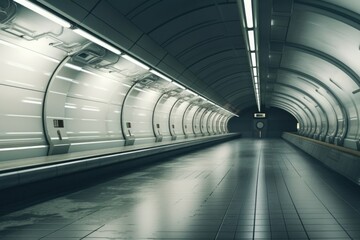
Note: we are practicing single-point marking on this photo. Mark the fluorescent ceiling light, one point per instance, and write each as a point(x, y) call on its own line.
point(255, 72)
point(202, 97)
point(249, 13)
point(191, 92)
point(253, 59)
point(178, 85)
point(251, 36)
point(255, 80)
point(133, 60)
point(44, 13)
point(160, 75)
point(256, 86)
point(97, 41)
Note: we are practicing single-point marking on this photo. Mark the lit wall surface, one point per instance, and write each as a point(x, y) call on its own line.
point(63, 93)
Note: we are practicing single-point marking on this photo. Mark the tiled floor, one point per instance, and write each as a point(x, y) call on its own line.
point(243, 189)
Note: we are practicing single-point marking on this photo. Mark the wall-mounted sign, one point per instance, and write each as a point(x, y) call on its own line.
point(259, 115)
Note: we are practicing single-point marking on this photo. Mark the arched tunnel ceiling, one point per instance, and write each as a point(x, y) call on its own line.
point(204, 36)
point(201, 43)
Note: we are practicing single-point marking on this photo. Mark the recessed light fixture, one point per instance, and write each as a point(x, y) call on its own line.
point(251, 36)
point(160, 75)
point(133, 60)
point(250, 31)
point(178, 85)
point(253, 59)
point(97, 41)
point(255, 72)
point(249, 13)
point(44, 13)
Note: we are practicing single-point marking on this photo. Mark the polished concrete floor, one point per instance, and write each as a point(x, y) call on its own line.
point(242, 189)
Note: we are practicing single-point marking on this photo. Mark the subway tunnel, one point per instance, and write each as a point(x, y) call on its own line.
point(179, 119)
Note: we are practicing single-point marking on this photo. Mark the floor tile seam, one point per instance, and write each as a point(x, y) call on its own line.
point(225, 214)
point(339, 196)
point(292, 200)
point(218, 184)
point(257, 188)
point(73, 223)
point(61, 228)
point(254, 211)
point(92, 231)
point(281, 207)
point(329, 186)
point(317, 197)
point(267, 200)
point(327, 209)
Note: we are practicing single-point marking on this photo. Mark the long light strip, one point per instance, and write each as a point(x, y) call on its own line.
point(249, 13)
point(178, 85)
point(191, 92)
point(133, 60)
point(160, 75)
point(251, 36)
point(44, 13)
point(250, 31)
point(253, 59)
point(255, 72)
point(97, 41)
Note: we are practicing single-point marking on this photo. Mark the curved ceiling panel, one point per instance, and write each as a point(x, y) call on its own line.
point(327, 35)
point(341, 84)
point(351, 5)
point(289, 109)
point(204, 36)
point(298, 105)
point(312, 91)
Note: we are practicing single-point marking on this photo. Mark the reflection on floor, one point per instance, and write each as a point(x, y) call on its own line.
point(243, 189)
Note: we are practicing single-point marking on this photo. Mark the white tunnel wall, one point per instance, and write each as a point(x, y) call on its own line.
point(197, 121)
point(177, 119)
point(330, 123)
point(321, 56)
point(138, 114)
point(341, 89)
point(24, 77)
point(226, 124)
point(162, 116)
point(216, 123)
point(211, 124)
point(66, 94)
point(205, 123)
point(189, 119)
point(323, 48)
point(220, 122)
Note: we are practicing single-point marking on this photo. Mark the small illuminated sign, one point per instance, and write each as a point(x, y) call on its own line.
point(259, 115)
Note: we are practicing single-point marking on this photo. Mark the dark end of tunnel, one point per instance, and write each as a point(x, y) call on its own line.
point(275, 123)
